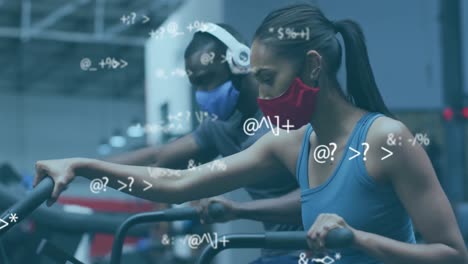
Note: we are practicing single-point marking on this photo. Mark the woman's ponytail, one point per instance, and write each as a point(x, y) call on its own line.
point(361, 85)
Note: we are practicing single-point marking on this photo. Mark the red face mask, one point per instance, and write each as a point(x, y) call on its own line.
point(297, 105)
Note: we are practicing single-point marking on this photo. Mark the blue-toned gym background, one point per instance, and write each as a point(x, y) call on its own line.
point(54, 105)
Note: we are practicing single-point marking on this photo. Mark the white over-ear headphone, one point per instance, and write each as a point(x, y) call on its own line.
point(237, 54)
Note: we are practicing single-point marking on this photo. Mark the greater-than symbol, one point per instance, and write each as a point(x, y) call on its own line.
point(3, 224)
point(145, 19)
point(124, 185)
point(355, 155)
point(149, 185)
point(124, 63)
point(388, 155)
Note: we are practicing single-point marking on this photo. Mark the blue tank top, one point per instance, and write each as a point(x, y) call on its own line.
point(354, 195)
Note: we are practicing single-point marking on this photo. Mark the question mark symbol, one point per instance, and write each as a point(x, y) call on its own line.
point(106, 181)
point(133, 17)
point(333, 151)
point(131, 183)
point(366, 149)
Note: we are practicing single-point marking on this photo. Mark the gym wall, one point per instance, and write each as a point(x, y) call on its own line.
point(46, 127)
point(403, 42)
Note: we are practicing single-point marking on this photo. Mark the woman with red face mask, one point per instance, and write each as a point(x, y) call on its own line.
point(378, 199)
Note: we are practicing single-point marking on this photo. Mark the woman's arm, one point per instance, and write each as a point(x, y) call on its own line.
point(175, 154)
point(172, 186)
point(415, 182)
point(413, 178)
point(285, 209)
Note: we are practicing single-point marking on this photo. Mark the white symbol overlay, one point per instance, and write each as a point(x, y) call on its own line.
point(420, 138)
point(124, 185)
point(366, 148)
point(207, 58)
point(165, 240)
point(132, 180)
point(149, 185)
point(388, 155)
point(128, 20)
point(217, 164)
point(195, 240)
point(125, 19)
point(124, 63)
point(145, 19)
point(13, 218)
point(3, 224)
point(85, 64)
point(157, 33)
point(160, 172)
point(252, 125)
point(172, 28)
point(324, 260)
point(98, 185)
point(112, 63)
point(322, 153)
point(355, 155)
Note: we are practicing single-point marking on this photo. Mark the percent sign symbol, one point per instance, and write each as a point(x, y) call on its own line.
point(290, 33)
point(422, 139)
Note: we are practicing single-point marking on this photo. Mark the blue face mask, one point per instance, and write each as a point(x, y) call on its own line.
point(220, 101)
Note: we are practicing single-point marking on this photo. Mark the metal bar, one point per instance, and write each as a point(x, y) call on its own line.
point(56, 16)
point(75, 37)
point(174, 214)
point(233, 241)
point(99, 18)
point(25, 19)
point(55, 253)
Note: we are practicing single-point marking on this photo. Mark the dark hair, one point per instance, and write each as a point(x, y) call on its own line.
point(201, 39)
point(361, 86)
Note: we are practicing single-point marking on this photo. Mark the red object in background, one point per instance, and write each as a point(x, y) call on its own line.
point(448, 114)
point(465, 112)
point(102, 243)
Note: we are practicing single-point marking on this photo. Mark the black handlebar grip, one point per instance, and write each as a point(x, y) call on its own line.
point(339, 238)
point(216, 210)
point(182, 213)
point(34, 199)
point(286, 240)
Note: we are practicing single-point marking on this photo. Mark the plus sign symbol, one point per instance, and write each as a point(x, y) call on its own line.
point(287, 126)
